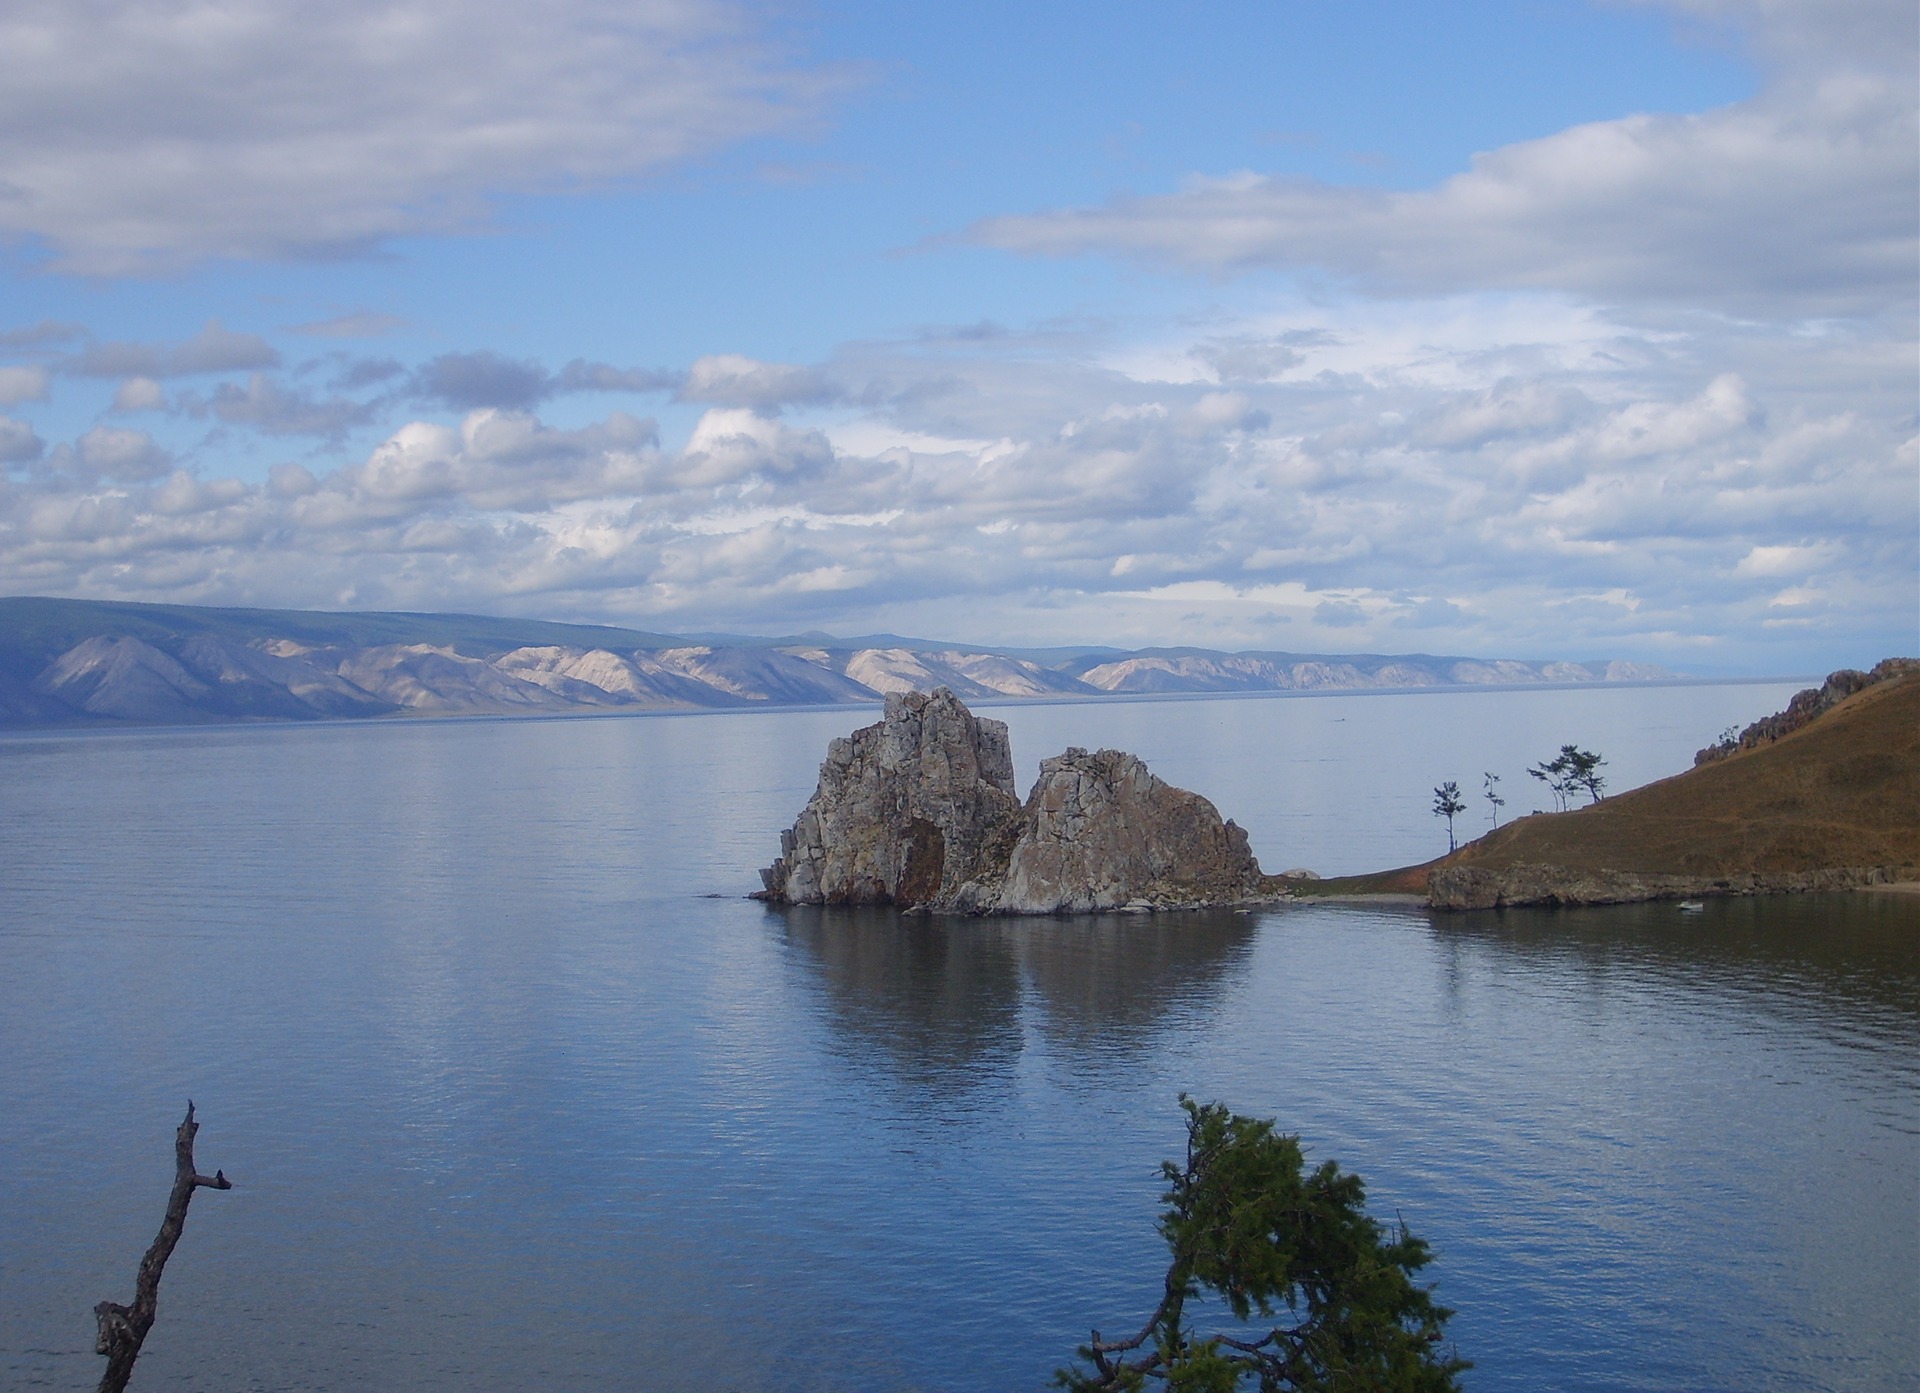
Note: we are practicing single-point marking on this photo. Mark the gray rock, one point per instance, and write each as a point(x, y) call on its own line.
point(919, 811)
point(908, 812)
point(1101, 832)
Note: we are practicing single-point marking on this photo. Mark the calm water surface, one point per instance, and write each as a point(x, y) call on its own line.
point(511, 1104)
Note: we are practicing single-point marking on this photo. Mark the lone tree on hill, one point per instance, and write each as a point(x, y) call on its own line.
point(1446, 803)
point(1569, 771)
point(1246, 1222)
point(1493, 796)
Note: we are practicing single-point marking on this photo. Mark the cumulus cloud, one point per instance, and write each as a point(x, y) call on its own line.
point(44, 334)
point(214, 349)
point(468, 381)
point(114, 455)
point(272, 408)
point(464, 381)
point(1798, 202)
point(1513, 474)
point(18, 443)
point(144, 134)
point(18, 384)
point(139, 394)
point(730, 379)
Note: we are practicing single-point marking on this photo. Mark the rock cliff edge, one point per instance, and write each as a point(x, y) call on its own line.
point(919, 811)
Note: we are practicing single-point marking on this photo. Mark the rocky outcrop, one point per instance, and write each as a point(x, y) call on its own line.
point(913, 811)
point(1807, 706)
point(1479, 887)
point(919, 811)
point(1100, 832)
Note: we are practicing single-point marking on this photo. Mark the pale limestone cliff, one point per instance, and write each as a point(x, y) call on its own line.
point(919, 811)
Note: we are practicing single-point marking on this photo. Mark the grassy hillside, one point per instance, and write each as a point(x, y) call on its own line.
point(1841, 791)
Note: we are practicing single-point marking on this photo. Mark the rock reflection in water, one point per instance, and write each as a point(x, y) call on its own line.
point(948, 1001)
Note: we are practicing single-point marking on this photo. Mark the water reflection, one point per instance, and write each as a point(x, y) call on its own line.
point(1852, 958)
point(1109, 984)
point(947, 1001)
point(938, 1002)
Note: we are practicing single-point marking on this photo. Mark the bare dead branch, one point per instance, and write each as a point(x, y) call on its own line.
point(123, 1329)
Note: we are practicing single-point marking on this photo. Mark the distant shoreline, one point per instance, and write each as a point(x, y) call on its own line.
point(855, 708)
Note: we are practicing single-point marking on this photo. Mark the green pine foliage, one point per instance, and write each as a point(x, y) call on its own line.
point(1331, 1289)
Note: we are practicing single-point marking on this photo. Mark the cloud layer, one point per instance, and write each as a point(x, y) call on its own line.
point(1798, 202)
point(1555, 483)
point(1640, 389)
point(150, 133)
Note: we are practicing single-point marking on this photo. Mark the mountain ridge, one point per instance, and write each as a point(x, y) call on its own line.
point(79, 662)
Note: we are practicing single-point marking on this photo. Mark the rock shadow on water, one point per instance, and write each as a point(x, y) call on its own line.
point(946, 1002)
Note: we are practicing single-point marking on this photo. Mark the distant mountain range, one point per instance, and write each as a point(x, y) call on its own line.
point(70, 662)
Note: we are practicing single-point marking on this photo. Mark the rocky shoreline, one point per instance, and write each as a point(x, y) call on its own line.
point(1475, 887)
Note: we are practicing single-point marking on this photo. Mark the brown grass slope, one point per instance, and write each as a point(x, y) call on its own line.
point(1842, 791)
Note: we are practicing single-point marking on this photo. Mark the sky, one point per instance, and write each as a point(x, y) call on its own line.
point(1519, 328)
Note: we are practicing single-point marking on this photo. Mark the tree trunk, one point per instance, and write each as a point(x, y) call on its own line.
point(123, 1329)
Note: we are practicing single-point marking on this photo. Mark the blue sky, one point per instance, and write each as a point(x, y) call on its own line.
point(1538, 329)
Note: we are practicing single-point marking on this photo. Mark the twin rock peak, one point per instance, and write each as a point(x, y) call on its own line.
point(919, 811)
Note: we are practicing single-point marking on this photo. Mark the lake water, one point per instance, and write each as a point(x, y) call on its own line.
point(511, 1105)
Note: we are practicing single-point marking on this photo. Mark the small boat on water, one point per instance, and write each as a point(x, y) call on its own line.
point(1691, 906)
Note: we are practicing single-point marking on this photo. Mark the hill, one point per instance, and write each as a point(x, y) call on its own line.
point(65, 662)
point(1815, 802)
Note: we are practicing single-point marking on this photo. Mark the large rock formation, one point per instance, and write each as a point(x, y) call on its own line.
point(919, 811)
point(1100, 832)
point(905, 812)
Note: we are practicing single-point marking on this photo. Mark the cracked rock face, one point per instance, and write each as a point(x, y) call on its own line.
point(919, 811)
point(904, 810)
point(1100, 832)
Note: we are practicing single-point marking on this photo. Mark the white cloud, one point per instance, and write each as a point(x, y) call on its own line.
point(18, 442)
point(143, 134)
point(1529, 479)
point(1783, 559)
point(18, 384)
point(124, 456)
point(139, 394)
point(1797, 202)
point(732, 380)
point(214, 349)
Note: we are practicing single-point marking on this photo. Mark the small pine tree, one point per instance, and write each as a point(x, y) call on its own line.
point(1446, 802)
point(1583, 768)
point(1570, 770)
point(1247, 1222)
point(1493, 797)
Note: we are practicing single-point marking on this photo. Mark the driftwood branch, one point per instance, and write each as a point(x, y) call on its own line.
point(123, 1329)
